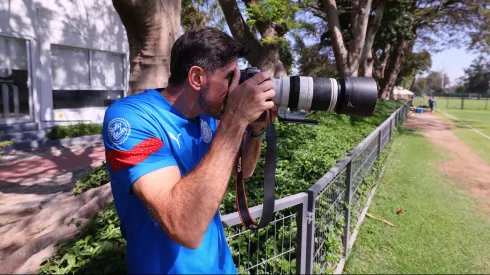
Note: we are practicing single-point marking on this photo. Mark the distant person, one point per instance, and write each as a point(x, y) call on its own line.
point(432, 102)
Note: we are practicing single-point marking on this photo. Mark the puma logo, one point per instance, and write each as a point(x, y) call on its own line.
point(175, 138)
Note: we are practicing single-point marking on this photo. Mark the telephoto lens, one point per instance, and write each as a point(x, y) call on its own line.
point(354, 96)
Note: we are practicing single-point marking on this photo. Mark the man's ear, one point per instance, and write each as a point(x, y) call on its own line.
point(196, 77)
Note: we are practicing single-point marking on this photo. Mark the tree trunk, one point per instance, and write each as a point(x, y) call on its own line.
point(393, 69)
point(359, 37)
point(264, 57)
point(339, 49)
point(367, 60)
point(379, 72)
point(152, 26)
point(348, 60)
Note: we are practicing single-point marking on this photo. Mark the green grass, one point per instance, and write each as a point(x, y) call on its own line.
point(441, 230)
point(455, 103)
point(479, 120)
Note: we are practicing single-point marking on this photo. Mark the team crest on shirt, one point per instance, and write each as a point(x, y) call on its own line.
point(206, 131)
point(118, 130)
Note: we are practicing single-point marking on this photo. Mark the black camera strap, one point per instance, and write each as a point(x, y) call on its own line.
point(269, 184)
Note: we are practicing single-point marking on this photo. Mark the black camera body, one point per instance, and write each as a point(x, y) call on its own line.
point(247, 73)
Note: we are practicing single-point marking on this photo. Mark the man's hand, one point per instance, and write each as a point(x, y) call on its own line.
point(246, 102)
point(257, 126)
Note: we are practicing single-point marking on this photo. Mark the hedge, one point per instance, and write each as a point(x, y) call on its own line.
point(305, 153)
point(5, 143)
point(75, 130)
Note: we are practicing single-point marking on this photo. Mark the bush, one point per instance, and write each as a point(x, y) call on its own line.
point(305, 153)
point(75, 130)
point(94, 178)
point(5, 143)
point(99, 248)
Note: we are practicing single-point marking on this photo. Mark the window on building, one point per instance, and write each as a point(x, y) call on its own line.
point(86, 78)
point(14, 78)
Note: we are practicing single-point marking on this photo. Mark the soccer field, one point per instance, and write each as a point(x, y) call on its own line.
point(471, 126)
point(446, 103)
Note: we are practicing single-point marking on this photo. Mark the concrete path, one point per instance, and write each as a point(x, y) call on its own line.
point(37, 208)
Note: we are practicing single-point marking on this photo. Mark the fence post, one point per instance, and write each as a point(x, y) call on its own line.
point(462, 102)
point(391, 127)
point(348, 196)
point(310, 232)
point(301, 237)
point(379, 143)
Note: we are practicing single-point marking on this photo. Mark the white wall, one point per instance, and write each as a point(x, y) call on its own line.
point(90, 24)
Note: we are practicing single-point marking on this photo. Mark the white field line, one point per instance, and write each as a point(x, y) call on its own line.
point(467, 125)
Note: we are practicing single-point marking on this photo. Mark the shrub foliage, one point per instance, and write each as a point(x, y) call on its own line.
point(75, 130)
point(305, 153)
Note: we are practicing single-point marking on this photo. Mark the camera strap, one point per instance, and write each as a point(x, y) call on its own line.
point(269, 184)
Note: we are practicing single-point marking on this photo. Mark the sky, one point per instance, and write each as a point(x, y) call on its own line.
point(452, 62)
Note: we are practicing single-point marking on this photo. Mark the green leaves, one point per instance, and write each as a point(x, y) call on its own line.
point(5, 143)
point(94, 178)
point(99, 248)
point(76, 130)
point(305, 154)
point(273, 12)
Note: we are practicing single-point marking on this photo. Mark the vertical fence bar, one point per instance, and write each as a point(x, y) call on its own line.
point(348, 196)
point(391, 128)
point(379, 143)
point(462, 102)
point(301, 237)
point(310, 232)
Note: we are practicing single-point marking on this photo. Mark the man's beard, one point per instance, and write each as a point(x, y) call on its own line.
point(207, 106)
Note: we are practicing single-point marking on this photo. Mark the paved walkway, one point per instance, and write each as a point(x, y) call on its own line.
point(36, 200)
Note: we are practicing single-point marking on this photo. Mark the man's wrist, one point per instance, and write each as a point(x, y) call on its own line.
point(256, 131)
point(235, 124)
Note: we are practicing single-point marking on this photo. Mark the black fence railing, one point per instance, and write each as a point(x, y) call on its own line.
point(312, 230)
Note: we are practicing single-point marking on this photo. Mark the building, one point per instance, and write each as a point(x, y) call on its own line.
point(61, 61)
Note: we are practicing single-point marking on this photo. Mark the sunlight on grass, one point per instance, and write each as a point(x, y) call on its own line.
point(479, 120)
point(442, 229)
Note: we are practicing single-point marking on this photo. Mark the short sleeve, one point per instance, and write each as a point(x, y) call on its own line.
point(134, 144)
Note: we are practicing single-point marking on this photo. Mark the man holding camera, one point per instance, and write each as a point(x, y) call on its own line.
point(170, 153)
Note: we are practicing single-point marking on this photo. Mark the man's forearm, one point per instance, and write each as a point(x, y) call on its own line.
point(251, 154)
point(194, 200)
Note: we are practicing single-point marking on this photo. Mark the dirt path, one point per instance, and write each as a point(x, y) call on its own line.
point(469, 170)
point(37, 208)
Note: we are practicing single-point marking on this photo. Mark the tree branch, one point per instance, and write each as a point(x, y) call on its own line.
point(359, 37)
point(339, 49)
point(354, 15)
point(367, 55)
point(240, 31)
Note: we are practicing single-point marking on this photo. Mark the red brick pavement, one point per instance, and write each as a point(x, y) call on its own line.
point(37, 167)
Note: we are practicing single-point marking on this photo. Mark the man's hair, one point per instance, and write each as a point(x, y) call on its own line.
point(208, 48)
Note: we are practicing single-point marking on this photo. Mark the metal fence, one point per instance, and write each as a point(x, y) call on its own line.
point(458, 101)
point(311, 231)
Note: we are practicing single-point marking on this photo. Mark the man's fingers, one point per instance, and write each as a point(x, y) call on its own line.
point(269, 105)
point(260, 77)
point(235, 80)
point(265, 86)
point(269, 94)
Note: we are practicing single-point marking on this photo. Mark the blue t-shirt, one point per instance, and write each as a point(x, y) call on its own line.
point(143, 133)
